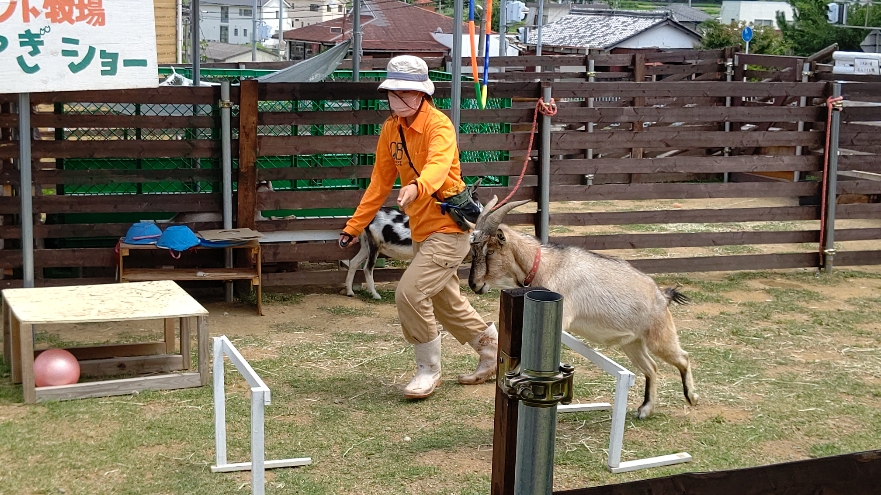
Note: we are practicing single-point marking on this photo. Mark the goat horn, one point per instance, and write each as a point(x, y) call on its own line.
point(489, 220)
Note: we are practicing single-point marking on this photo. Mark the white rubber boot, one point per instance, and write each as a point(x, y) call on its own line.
point(428, 370)
point(487, 346)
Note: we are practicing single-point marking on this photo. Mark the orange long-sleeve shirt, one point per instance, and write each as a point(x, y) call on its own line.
point(431, 141)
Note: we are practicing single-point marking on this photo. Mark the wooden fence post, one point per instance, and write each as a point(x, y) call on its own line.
point(505, 430)
point(639, 101)
point(246, 197)
point(247, 179)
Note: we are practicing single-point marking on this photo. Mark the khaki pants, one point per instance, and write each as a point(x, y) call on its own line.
point(429, 289)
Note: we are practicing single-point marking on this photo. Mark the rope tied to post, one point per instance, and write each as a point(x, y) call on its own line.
point(833, 104)
point(548, 109)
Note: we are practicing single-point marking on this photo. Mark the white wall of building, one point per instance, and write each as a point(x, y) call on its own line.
point(238, 22)
point(660, 37)
point(307, 12)
point(754, 13)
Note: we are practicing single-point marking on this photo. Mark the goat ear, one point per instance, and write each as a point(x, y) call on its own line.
point(501, 237)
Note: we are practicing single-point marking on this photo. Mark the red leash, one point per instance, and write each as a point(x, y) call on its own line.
point(832, 104)
point(549, 109)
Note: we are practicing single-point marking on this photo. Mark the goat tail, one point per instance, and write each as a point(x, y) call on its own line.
point(674, 296)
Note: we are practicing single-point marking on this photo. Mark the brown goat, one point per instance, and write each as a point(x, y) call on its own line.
point(605, 299)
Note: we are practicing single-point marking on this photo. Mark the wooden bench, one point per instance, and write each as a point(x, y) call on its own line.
point(158, 300)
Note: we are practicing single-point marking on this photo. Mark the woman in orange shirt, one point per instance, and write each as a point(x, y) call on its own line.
point(418, 143)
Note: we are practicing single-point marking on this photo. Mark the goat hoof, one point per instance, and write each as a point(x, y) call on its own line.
point(643, 413)
point(377, 297)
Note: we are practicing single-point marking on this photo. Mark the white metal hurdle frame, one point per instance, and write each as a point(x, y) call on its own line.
point(260, 397)
point(624, 379)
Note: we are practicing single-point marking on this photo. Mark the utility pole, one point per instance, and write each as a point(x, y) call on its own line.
point(254, 32)
point(281, 47)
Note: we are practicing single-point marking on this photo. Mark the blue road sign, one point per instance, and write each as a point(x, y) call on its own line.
point(747, 34)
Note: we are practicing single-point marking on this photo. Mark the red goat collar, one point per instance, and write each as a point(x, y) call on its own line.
point(531, 274)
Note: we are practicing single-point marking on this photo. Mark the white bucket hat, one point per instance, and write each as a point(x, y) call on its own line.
point(407, 73)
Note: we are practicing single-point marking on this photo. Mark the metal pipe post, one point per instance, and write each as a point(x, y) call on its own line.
point(802, 101)
point(226, 174)
point(591, 77)
point(25, 189)
point(456, 55)
point(832, 183)
point(196, 50)
point(538, 23)
point(729, 74)
point(356, 39)
point(545, 165)
point(503, 31)
point(536, 426)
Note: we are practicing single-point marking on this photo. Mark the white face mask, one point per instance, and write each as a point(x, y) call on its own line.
point(406, 106)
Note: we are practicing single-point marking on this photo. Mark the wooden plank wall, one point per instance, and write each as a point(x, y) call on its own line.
point(678, 65)
point(105, 129)
point(679, 129)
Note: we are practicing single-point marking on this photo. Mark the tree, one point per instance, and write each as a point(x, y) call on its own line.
point(765, 40)
point(810, 32)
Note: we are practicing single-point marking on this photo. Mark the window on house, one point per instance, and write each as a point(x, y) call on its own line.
point(297, 20)
point(235, 32)
point(336, 30)
point(224, 34)
point(329, 8)
point(315, 7)
point(339, 8)
point(245, 33)
point(224, 14)
point(763, 22)
point(245, 12)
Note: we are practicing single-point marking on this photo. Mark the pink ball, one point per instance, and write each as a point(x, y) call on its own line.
point(56, 367)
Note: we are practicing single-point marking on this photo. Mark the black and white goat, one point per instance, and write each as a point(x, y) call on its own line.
point(388, 234)
point(605, 299)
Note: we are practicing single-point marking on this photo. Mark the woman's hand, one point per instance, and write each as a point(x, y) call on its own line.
point(346, 239)
point(407, 195)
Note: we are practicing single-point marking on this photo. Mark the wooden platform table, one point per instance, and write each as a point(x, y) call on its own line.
point(253, 274)
point(158, 300)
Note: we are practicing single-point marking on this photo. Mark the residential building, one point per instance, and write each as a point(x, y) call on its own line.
point(231, 21)
point(687, 16)
point(613, 29)
point(755, 13)
point(388, 27)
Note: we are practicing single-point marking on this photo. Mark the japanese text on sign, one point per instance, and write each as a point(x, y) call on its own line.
point(55, 45)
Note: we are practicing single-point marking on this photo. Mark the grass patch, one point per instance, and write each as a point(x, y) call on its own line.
point(346, 311)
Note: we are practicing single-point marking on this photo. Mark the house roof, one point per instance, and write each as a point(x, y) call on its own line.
point(235, 3)
point(603, 30)
point(386, 25)
point(684, 13)
point(223, 51)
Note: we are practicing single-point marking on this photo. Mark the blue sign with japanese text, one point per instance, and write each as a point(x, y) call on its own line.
point(69, 45)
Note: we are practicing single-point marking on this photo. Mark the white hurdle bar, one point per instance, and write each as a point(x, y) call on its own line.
point(624, 379)
point(260, 398)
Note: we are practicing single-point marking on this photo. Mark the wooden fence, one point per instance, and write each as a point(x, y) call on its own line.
point(623, 154)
